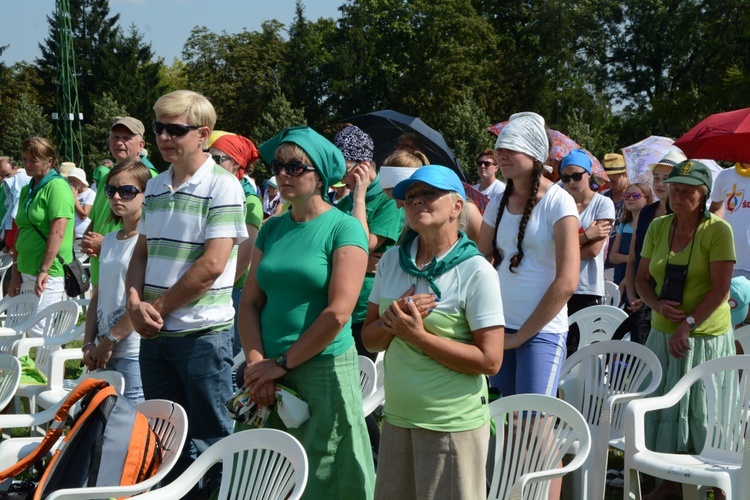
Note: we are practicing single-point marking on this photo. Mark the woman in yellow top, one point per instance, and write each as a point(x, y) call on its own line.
point(684, 276)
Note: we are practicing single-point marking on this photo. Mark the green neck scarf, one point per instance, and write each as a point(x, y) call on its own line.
point(34, 188)
point(463, 250)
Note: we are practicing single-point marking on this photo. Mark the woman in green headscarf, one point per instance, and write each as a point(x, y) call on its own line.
point(435, 309)
point(307, 269)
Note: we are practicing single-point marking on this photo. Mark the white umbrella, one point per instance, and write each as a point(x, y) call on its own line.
point(638, 156)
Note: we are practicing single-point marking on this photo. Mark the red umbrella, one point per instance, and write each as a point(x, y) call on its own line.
point(560, 147)
point(722, 136)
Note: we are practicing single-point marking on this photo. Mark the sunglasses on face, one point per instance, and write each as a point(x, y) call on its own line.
point(173, 129)
point(575, 177)
point(293, 168)
point(220, 158)
point(485, 163)
point(126, 192)
point(632, 196)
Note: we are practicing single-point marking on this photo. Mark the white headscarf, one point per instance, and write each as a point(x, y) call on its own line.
point(390, 176)
point(525, 133)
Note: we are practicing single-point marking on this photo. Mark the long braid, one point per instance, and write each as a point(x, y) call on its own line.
point(515, 261)
point(498, 257)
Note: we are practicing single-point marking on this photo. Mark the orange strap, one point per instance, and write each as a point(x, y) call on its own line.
point(58, 424)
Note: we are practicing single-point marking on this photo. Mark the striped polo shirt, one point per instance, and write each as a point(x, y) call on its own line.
point(176, 224)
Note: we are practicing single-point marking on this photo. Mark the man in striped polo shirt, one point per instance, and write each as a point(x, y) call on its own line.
point(181, 275)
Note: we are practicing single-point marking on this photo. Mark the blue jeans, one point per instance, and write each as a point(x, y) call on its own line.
point(130, 369)
point(194, 371)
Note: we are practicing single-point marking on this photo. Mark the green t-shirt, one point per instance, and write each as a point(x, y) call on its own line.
point(53, 201)
point(253, 217)
point(713, 242)
point(384, 219)
point(101, 216)
point(294, 274)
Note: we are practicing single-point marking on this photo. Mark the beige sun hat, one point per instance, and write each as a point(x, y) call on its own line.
point(672, 158)
point(78, 173)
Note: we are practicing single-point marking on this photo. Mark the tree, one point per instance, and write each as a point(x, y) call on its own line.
point(238, 73)
point(279, 115)
point(96, 131)
point(107, 60)
point(308, 66)
point(27, 118)
point(464, 127)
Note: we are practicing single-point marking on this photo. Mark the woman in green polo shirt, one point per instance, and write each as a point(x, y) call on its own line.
point(684, 276)
point(46, 209)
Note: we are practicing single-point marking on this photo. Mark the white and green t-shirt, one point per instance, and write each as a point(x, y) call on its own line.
point(176, 224)
point(420, 391)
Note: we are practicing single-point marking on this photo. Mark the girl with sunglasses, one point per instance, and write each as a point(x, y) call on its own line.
point(597, 213)
point(636, 197)
point(110, 342)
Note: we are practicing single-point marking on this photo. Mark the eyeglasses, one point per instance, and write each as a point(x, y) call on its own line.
point(173, 129)
point(402, 146)
point(293, 168)
point(576, 177)
point(126, 192)
point(632, 196)
point(220, 158)
point(481, 163)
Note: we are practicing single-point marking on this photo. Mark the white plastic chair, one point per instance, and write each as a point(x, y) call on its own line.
point(10, 377)
point(17, 312)
point(528, 450)
point(597, 323)
point(169, 421)
point(377, 397)
point(259, 464)
point(612, 294)
point(367, 377)
point(14, 449)
point(724, 460)
point(742, 335)
point(599, 380)
point(59, 328)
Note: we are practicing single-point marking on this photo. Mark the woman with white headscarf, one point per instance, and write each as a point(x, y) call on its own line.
point(531, 236)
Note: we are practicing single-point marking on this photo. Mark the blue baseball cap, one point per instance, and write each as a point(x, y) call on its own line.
point(739, 298)
point(577, 158)
point(436, 176)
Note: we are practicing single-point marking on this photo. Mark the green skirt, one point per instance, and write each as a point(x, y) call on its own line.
point(682, 428)
point(335, 437)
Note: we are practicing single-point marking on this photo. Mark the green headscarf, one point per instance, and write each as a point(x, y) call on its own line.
point(325, 157)
point(463, 250)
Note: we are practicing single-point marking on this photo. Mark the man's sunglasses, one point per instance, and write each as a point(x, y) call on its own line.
point(173, 129)
point(126, 192)
point(576, 177)
point(632, 196)
point(293, 168)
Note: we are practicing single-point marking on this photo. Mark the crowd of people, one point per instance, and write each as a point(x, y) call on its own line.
point(465, 289)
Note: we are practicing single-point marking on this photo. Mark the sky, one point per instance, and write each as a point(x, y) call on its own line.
point(166, 24)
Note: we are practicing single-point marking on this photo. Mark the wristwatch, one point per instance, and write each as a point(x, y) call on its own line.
point(281, 361)
point(691, 323)
point(42, 270)
point(111, 338)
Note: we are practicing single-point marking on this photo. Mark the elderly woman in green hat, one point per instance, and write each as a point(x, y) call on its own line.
point(684, 276)
point(307, 269)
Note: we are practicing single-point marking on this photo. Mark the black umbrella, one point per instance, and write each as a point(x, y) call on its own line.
point(386, 126)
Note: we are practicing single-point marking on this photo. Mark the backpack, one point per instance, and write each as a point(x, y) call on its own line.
point(110, 443)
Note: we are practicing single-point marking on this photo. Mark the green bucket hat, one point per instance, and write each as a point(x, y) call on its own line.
point(325, 157)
